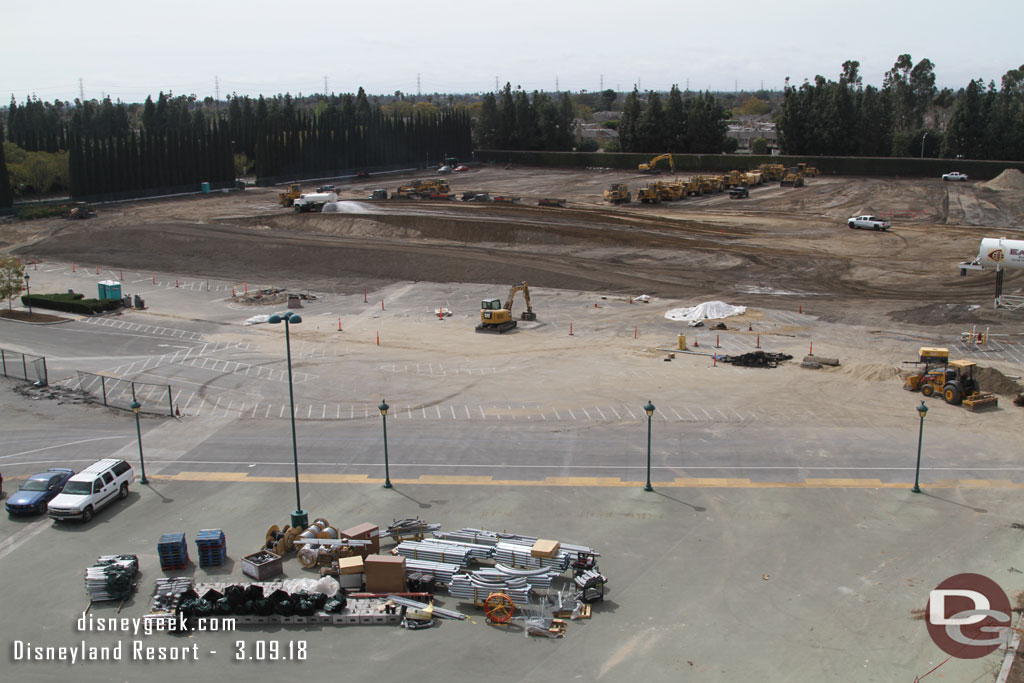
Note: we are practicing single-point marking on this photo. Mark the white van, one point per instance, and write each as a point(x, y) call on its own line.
point(91, 489)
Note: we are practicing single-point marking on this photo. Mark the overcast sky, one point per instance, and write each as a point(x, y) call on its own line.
point(131, 49)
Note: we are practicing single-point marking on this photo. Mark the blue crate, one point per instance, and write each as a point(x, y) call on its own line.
point(211, 547)
point(172, 551)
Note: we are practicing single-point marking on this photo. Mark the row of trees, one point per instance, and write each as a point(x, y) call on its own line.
point(517, 121)
point(695, 125)
point(146, 160)
point(908, 116)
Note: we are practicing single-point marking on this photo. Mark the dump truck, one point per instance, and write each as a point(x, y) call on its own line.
point(497, 317)
point(617, 194)
point(651, 166)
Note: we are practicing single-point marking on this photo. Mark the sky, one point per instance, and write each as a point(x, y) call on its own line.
point(129, 50)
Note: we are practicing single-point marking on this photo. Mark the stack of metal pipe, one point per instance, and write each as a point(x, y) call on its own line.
point(409, 527)
point(449, 553)
point(477, 588)
point(441, 571)
point(537, 578)
point(485, 537)
point(520, 556)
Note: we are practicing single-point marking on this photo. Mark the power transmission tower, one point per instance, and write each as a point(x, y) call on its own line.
point(602, 82)
point(418, 93)
point(216, 93)
point(81, 91)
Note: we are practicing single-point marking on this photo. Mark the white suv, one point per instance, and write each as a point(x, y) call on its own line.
point(91, 489)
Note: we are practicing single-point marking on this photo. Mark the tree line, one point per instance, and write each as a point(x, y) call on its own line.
point(694, 125)
point(907, 116)
point(521, 122)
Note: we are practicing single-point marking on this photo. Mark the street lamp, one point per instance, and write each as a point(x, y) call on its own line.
point(922, 410)
point(923, 138)
point(649, 409)
point(299, 517)
point(28, 295)
point(383, 408)
point(136, 406)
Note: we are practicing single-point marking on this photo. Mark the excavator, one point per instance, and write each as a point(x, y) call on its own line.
point(651, 166)
point(497, 317)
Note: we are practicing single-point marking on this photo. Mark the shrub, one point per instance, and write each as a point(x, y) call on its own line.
point(71, 303)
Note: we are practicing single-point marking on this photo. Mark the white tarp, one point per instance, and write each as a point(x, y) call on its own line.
point(257, 319)
point(709, 310)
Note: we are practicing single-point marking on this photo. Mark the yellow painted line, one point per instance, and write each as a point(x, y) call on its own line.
point(596, 482)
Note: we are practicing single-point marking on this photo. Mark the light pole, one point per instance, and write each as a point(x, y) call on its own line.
point(299, 517)
point(923, 138)
point(383, 408)
point(922, 410)
point(28, 295)
point(136, 406)
point(649, 409)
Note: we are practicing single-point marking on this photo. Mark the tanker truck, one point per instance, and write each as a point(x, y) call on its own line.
point(1001, 254)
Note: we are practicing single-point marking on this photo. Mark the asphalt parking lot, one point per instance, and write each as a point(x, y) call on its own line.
point(781, 542)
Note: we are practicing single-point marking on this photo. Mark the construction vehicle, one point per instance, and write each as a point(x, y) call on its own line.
point(313, 201)
point(772, 171)
point(807, 171)
point(792, 178)
point(953, 380)
point(736, 178)
point(651, 166)
point(751, 178)
point(288, 197)
point(497, 317)
point(422, 189)
point(649, 194)
point(693, 187)
point(617, 194)
point(551, 201)
point(670, 192)
point(706, 186)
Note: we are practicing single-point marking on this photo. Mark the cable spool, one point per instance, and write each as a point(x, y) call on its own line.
point(275, 535)
point(287, 544)
point(329, 532)
point(314, 530)
point(308, 557)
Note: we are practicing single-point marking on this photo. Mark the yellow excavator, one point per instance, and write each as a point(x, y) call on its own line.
point(497, 317)
point(651, 166)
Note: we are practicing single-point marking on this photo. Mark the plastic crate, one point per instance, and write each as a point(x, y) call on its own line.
point(211, 547)
point(172, 551)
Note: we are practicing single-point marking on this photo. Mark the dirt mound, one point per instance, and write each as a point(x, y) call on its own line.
point(995, 381)
point(870, 372)
point(1010, 179)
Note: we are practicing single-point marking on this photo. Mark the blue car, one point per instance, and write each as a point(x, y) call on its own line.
point(37, 491)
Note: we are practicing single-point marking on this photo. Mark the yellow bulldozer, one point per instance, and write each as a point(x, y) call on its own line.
point(807, 171)
point(497, 317)
point(288, 197)
point(953, 380)
point(421, 189)
point(651, 166)
point(649, 194)
point(772, 171)
point(617, 194)
point(792, 178)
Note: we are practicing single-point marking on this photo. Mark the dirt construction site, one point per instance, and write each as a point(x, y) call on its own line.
point(782, 494)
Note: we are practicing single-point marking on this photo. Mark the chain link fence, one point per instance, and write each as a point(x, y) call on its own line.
point(154, 398)
point(24, 366)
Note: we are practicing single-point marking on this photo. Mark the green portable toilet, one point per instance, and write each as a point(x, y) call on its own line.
point(206, 187)
point(109, 289)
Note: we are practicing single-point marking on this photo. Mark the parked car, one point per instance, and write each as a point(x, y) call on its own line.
point(93, 488)
point(37, 491)
point(869, 223)
point(955, 175)
point(461, 168)
point(738, 192)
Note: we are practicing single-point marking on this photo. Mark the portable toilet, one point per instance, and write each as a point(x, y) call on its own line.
point(205, 187)
point(109, 289)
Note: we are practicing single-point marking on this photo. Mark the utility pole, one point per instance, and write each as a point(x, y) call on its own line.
point(556, 84)
point(418, 93)
point(325, 86)
point(602, 82)
point(496, 88)
point(81, 91)
point(216, 93)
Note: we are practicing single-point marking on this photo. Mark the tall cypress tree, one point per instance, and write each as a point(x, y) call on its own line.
point(6, 195)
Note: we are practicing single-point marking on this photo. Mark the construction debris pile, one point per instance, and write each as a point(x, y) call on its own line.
point(112, 577)
point(756, 359)
point(512, 577)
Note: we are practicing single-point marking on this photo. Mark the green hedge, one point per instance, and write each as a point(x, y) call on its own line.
point(71, 303)
point(686, 163)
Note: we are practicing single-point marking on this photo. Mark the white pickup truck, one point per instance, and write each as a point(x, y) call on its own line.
point(955, 175)
point(869, 223)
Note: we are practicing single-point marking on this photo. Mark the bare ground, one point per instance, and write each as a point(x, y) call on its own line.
point(781, 242)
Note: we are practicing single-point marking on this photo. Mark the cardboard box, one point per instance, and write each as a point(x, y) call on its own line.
point(384, 574)
point(545, 548)
point(364, 532)
point(351, 565)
